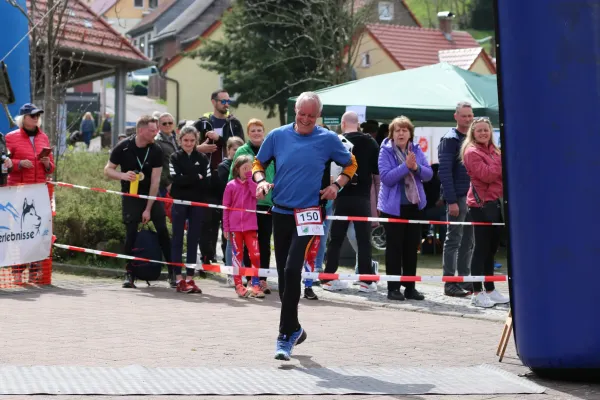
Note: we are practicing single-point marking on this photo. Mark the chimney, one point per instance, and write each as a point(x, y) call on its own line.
point(445, 20)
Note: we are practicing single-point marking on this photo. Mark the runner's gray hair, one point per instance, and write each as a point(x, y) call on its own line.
point(307, 97)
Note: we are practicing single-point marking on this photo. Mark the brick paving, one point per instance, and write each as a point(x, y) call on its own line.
point(93, 322)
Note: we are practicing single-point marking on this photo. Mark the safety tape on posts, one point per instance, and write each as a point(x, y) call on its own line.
point(269, 273)
point(330, 217)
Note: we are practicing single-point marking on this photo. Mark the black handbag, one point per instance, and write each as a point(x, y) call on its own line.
point(491, 210)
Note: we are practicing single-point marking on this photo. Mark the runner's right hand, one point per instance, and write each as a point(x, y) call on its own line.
point(263, 189)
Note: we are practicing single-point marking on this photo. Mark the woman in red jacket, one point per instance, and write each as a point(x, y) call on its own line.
point(25, 145)
point(482, 160)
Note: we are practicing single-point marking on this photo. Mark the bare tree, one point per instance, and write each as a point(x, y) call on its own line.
point(50, 71)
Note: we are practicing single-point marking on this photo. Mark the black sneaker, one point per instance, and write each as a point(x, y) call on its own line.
point(310, 294)
point(454, 290)
point(395, 295)
point(413, 294)
point(128, 283)
point(467, 287)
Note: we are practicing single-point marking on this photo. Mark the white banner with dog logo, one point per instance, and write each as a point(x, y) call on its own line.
point(25, 224)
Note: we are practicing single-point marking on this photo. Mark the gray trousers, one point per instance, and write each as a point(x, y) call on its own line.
point(458, 246)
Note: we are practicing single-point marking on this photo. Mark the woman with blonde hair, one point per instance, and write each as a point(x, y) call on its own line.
point(482, 160)
point(87, 128)
point(402, 170)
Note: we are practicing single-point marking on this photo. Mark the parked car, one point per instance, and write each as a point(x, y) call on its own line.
point(140, 76)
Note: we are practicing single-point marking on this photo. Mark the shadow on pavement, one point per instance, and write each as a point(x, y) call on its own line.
point(32, 293)
point(356, 384)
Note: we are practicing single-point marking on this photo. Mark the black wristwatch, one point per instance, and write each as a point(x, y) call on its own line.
point(338, 185)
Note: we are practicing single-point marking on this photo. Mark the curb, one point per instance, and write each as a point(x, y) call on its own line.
point(118, 274)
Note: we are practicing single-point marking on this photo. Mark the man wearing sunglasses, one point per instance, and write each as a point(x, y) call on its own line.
point(216, 128)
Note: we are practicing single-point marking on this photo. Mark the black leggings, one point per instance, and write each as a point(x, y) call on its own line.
point(487, 240)
point(290, 250)
point(402, 245)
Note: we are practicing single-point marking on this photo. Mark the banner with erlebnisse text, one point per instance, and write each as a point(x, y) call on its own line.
point(25, 224)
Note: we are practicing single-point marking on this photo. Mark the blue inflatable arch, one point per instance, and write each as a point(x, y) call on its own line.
point(549, 87)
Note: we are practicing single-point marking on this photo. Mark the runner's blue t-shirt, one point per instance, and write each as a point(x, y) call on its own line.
point(300, 161)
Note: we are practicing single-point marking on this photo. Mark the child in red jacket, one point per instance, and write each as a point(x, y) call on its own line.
point(241, 226)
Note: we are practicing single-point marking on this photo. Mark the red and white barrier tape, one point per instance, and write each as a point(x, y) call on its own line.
point(263, 272)
point(330, 217)
point(163, 199)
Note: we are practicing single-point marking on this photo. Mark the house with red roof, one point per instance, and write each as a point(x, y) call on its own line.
point(385, 48)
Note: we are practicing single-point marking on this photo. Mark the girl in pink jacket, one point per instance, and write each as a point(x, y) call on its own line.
point(241, 226)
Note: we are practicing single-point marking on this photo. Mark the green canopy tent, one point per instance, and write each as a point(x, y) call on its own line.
point(427, 95)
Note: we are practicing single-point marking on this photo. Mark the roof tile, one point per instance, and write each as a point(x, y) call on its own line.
point(414, 47)
point(84, 31)
point(462, 58)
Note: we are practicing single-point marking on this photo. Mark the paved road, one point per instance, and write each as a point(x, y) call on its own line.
point(93, 322)
point(136, 105)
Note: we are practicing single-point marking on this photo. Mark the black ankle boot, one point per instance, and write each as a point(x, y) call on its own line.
point(395, 295)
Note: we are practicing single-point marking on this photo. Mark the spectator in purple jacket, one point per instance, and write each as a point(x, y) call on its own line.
point(402, 169)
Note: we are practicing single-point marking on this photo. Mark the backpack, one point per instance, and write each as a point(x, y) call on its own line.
point(336, 170)
point(147, 246)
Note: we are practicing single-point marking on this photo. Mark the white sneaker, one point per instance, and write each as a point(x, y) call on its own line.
point(367, 287)
point(374, 267)
point(498, 297)
point(482, 300)
point(334, 285)
point(230, 281)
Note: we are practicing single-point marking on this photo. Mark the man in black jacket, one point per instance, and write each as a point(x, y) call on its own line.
point(355, 200)
point(458, 246)
point(216, 128)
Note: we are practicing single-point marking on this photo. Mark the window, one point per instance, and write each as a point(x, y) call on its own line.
point(152, 4)
point(138, 3)
point(143, 45)
point(365, 60)
point(386, 10)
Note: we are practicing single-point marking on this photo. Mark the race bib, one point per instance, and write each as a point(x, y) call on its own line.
point(309, 221)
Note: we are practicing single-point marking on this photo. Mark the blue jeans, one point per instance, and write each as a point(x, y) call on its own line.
point(228, 254)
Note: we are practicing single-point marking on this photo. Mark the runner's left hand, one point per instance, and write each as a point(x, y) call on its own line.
point(329, 193)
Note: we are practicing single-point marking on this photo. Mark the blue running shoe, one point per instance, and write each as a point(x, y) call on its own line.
point(497, 265)
point(286, 343)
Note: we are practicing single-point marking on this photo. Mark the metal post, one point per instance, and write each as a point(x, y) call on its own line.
point(120, 108)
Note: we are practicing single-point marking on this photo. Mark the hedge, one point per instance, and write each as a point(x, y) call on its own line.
point(85, 218)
